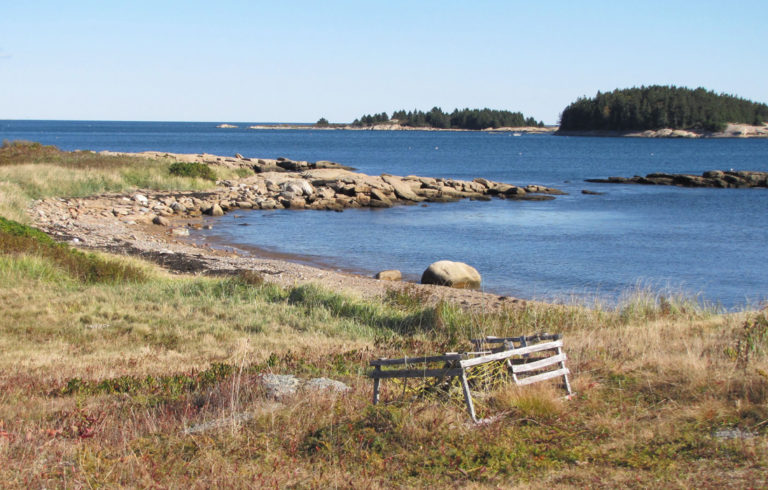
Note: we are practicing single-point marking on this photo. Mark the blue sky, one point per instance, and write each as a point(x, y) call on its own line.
point(302, 60)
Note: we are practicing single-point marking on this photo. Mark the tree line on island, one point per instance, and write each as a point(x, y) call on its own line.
point(438, 119)
point(634, 109)
point(660, 106)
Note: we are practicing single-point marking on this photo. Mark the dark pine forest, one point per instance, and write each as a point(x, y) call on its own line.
point(660, 106)
point(458, 119)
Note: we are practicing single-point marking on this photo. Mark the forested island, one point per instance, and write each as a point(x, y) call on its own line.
point(655, 111)
point(458, 119)
point(661, 106)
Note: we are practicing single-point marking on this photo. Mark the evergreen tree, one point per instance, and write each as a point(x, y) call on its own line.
point(458, 119)
point(657, 107)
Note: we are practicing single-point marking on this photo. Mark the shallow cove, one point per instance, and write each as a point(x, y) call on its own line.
point(586, 246)
point(696, 240)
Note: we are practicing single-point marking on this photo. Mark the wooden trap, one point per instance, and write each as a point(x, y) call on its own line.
point(528, 359)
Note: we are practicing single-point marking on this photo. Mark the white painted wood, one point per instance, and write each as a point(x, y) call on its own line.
point(533, 366)
point(376, 386)
point(542, 377)
point(468, 396)
point(500, 356)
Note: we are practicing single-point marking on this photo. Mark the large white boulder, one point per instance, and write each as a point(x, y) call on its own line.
point(453, 274)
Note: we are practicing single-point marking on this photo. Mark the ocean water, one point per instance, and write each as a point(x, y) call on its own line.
point(705, 242)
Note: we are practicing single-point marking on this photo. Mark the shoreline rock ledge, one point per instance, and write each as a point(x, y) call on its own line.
point(322, 185)
point(712, 178)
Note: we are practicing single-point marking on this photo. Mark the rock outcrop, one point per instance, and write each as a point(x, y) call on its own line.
point(712, 178)
point(322, 186)
point(257, 165)
point(732, 130)
point(316, 189)
point(453, 274)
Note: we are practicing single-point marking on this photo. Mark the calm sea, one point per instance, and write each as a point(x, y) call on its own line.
point(706, 242)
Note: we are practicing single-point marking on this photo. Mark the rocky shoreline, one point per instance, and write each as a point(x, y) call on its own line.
point(392, 127)
point(714, 178)
point(322, 185)
point(731, 131)
point(155, 224)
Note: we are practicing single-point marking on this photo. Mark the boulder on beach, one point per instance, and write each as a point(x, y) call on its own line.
point(215, 210)
point(159, 220)
point(453, 274)
point(389, 275)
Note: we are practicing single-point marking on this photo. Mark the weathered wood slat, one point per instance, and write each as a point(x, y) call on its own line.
point(376, 386)
point(467, 395)
point(499, 356)
point(533, 366)
point(416, 360)
point(565, 377)
point(530, 338)
point(542, 377)
point(415, 373)
point(537, 348)
point(489, 349)
point(498, 340)
point(525, 360)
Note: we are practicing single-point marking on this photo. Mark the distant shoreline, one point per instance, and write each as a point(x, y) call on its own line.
point(731, 131)
point(390, 127)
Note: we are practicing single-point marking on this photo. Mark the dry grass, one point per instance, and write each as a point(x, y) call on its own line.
point(99, 381)
point(30, 171)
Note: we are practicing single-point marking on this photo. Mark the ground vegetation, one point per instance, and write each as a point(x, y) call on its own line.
point(104, 376)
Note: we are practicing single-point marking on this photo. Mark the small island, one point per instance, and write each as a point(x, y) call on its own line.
point(656, 111)
point(664, 111)
point(436, 118)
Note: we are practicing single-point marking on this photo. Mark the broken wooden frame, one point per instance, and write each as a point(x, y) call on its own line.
point(514, 351)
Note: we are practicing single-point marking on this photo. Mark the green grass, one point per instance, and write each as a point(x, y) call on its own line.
point(192, 169)
point(16, 238)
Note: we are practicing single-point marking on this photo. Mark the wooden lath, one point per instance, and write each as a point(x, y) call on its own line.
point(514, 351)
point(517, 351)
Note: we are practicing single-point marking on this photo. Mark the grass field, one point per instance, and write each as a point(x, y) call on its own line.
point(31, 171)
point(107, 360)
